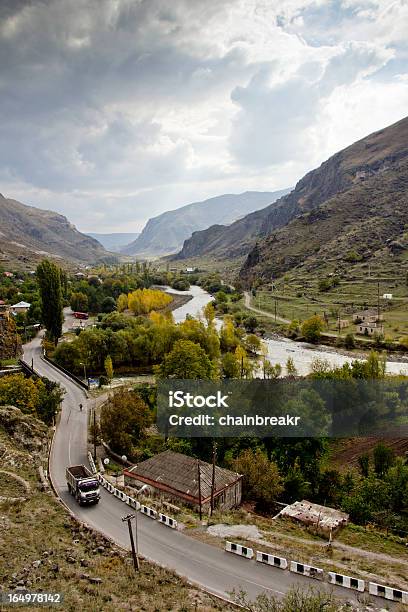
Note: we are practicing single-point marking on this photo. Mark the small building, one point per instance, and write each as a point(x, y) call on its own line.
point(387, 296)
point(21, 307)
point(175, 477)
point(369, 329)
point(371, 315)
point(8, 274)
point(342, 323)
point(323, 519)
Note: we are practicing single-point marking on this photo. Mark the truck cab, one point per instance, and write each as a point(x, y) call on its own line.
point(83, 485)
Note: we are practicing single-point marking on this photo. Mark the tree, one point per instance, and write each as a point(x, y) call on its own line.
point(312, 328)
point(291, 369)
point(49, 282)
point(349, 341)
point(108, 304)
point(262, 481)
point(186, 360)
point(364, 464)
point(252, 343)
point(124, 419)
point(209, 314)
point(79, 302)
point(383, 458)
point(109, 367)
point(230, 366)
point(122, 302)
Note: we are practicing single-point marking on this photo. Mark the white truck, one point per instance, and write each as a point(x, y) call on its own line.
point(83, 485)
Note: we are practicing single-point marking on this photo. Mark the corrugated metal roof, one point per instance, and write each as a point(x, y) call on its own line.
point(180, 472)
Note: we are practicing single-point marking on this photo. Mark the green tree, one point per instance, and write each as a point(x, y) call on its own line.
point(364, 464)
point(312, 328)
point(49, 282)
point(291, 369)
point(109, 367)
point(79, 302)
point(124, 419)
point(262, 481)
point(230, 366)
point(186, 360)
point(383, 457)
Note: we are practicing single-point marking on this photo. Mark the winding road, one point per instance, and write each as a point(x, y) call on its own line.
point(207, 566)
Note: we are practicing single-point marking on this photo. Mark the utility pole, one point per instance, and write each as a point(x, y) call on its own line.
point(214, 456)
point(94, 432)
point(378, 301)
point(199, 490)
point(128, 518)
point(275, 309)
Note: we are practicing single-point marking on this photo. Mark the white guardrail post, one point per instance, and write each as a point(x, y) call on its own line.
point(346, 581)
point(167, 520)
point(148, 511)
point(269, 559)
point(237, 549)
point(387, 592)
point(306, 570)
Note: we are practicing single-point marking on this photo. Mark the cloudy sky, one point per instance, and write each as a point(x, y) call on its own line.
point(112, 111)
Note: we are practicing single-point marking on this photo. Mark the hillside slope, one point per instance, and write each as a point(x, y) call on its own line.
point(166, 233)
point(30, 233)
point(355, 206)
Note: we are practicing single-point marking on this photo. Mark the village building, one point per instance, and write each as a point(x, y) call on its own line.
point(322, 519)
point(21, 307)
point(369, 329)
point(343, 323)
point(371, 315)
point(179, 478)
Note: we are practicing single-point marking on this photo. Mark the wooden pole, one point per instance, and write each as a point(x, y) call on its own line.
point(199, 490)
point(128, 519)
point(214, 455)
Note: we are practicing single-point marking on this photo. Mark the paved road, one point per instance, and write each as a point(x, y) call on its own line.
point(207, 566)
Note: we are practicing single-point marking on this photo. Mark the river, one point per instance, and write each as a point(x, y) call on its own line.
point(279, 349)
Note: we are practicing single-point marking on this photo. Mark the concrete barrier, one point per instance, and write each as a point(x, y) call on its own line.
point(306, 570)
point(279, 562)
point(133, 503)
point(148, 511)
point(387, 592)
point(237, 549)
point(167, 520)
point(346, 581)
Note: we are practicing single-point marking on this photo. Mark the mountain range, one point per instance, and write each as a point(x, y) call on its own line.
point(355, 201)
point(353, 207)
point(114, 242)
point(28, 234)
point(166, 233)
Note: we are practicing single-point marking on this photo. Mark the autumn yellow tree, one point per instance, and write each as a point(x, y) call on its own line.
point(143, 301)
point(122, 302)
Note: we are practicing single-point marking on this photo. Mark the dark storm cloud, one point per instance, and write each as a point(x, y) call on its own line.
point(136, 104)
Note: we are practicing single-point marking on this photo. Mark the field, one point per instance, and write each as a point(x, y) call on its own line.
point(298, 297)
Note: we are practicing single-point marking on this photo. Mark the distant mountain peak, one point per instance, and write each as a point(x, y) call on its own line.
point(165, 233)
